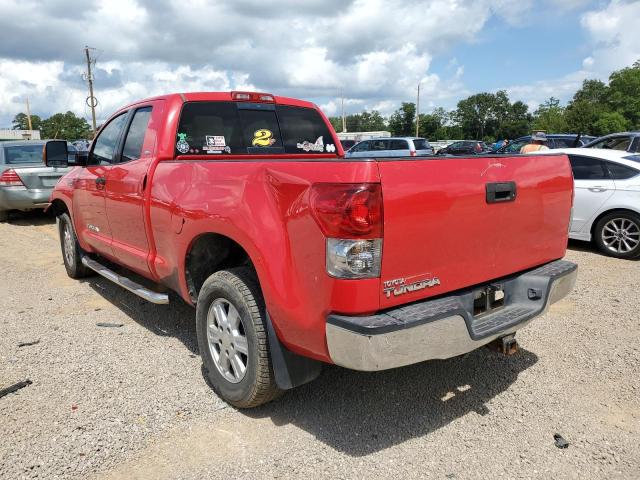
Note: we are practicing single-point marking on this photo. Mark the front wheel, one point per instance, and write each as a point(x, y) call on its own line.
point(71, 251)
point(618, 235)
point(232, 338)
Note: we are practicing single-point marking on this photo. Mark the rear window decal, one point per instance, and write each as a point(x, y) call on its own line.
point(263, 138)
point(331, 147)
point(182, 146)
point(318, 146)
point(216, 144)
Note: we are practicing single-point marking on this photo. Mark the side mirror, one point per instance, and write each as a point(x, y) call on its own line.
point(56, 154)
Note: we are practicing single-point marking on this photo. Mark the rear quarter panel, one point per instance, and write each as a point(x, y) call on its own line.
point(264, 207)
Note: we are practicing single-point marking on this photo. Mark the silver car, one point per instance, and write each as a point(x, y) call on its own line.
point(25, 183)
point(391, 147)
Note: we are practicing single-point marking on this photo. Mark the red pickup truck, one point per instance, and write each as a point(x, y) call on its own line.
point(292, 255)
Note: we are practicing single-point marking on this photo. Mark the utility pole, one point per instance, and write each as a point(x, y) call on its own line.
point(91, 100)
point(344, 120)
point(29, 115)
point(418, 111)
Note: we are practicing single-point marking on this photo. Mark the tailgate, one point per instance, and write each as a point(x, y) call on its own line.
point(39, 176)
point(442, 234)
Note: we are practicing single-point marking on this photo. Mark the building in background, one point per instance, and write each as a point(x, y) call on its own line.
point(8, 134)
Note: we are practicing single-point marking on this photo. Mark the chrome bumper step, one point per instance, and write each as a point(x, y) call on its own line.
point(124, 282)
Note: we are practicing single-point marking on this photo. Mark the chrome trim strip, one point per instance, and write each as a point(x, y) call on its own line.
point(124, 282)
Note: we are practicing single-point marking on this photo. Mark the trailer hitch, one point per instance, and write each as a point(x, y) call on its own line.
point(507, 345)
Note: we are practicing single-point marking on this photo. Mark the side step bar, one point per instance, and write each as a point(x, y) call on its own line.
point(124, 282)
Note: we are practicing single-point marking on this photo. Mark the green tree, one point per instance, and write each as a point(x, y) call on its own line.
point(623, 95)
point(550, 117)
point(360, 122)
point(402, 121)
point(65, 126)
point(475, 113)
point(610, 122)
point(21, 122)
point(587, 105)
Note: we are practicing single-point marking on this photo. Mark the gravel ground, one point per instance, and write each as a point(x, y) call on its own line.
point(131, 402)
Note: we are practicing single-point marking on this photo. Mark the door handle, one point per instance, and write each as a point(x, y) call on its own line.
point(498, 192)
point(597, 189)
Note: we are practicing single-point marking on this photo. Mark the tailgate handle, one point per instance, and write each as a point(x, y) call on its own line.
point(501, 192)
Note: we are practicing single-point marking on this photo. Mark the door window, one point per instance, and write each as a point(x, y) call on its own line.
point(104, 150)
point(135, 136)
point(378, 145)
point(398, 145)
point(361, 147)
point(587, 168)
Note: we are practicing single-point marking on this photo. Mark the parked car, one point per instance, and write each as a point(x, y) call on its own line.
point(391, 147)
point(293, 255)
point(625, 141)
point(25, 182)
point(606, 208)
point(347, 144)
point(554, 141)
point(465, 147)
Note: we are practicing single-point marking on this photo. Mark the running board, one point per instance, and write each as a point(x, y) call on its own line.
point(124, 282)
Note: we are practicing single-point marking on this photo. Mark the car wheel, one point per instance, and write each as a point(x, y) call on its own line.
point(4, 215)
point(71, 251)
point(232, 338)
point(618, 235)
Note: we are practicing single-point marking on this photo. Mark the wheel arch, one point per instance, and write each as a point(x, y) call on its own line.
point(595, 221)
point(58, 207)
point(208, 253)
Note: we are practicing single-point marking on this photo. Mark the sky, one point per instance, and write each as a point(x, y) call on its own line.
point(372, 52)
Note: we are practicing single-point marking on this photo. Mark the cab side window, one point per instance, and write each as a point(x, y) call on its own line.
point(104, 150)
point(135, 136)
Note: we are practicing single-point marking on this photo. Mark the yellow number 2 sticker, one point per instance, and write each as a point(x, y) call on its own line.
point(263, 138)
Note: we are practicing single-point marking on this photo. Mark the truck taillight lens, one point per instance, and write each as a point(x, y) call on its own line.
point(351, 210)
point(351, 217)
point(10, 178)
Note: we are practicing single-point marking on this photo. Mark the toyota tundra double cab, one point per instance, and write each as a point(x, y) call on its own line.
point(293, 256)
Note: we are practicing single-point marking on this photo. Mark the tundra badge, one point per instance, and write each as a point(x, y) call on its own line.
point(399, 286)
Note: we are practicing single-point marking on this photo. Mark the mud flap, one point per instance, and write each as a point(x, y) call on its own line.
point(289, 369)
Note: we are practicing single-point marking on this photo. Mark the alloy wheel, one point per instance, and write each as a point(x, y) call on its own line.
point(621, 235)
point(227, 340)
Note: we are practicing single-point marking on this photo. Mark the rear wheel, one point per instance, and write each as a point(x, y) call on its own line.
point(232, 338)
point(4, 215)
point(618, 235)
point(71, 251)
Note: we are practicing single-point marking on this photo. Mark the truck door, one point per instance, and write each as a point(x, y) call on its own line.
point(126, 184)
point(90, 220)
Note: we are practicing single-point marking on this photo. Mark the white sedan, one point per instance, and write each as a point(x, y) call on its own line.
point(606, 209)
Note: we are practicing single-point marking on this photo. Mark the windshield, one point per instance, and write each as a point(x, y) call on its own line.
point(616, 143)
point(18, 154)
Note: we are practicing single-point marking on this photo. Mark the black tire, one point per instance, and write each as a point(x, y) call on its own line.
point(4, 215)
point(239, 288)
point(629, 223)
point(71, 251)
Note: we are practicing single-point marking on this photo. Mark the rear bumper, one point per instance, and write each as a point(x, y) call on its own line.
point(445, 327)
point(21, 198)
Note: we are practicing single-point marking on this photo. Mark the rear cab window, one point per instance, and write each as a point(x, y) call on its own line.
point(239, 128)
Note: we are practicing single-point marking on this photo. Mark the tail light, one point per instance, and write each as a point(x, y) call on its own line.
point(253, 97)
point(10, 178)
point(413, 153)
point(351, 217)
